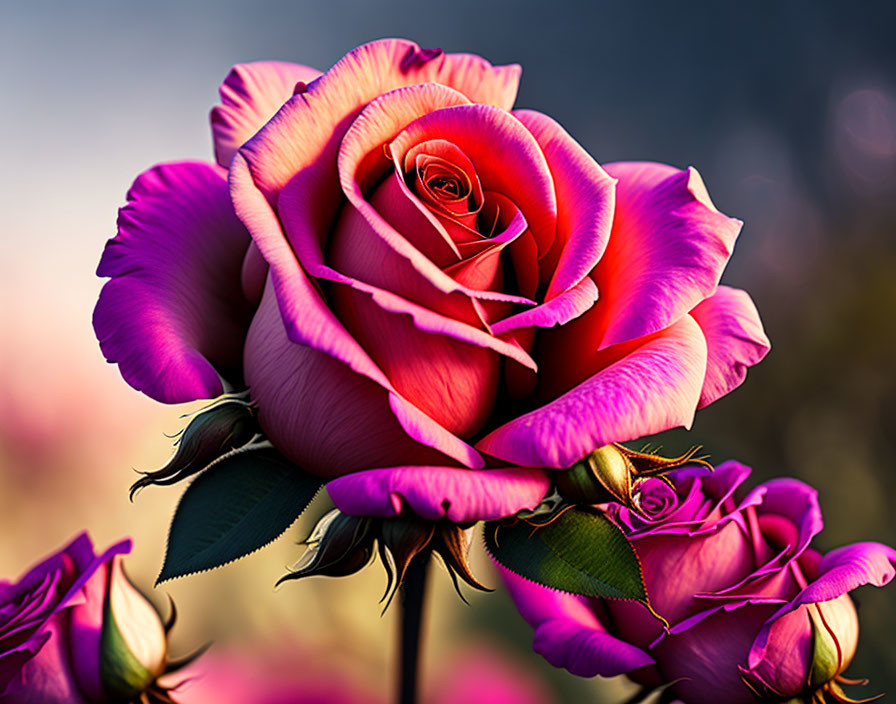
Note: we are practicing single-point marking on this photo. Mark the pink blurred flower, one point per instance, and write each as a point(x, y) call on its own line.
point(477, 674)
point(415, 280)
point(74, 630)
point(751, 607)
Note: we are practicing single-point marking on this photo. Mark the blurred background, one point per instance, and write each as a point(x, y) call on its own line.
point(787, 109)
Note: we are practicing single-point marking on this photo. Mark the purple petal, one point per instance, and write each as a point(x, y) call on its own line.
point(173, 316)
point(666, 253)
point(653, 388)
point(569, 634)
point(455, 493)
point(46, 678)
point(250, 95)
point(735, 339)
point(841, 571)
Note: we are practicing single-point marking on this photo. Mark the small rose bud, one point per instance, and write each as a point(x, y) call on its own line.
point(338, 546)
point(613, 472)
point(604, 475)
point(133, 643)
point(213, 432)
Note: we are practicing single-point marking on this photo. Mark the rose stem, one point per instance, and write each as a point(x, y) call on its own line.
point(412, 594)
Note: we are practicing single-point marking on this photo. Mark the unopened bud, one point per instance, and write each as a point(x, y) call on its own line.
point(133, 644)
point(339, 545)
point(213, 432)
point(604, 475)
point(612, 472)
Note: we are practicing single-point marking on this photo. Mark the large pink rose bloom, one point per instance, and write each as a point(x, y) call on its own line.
point(751, 607)
point(415, 280)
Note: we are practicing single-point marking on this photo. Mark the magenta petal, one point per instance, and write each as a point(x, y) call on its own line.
point(328, 418)
point(586, 196)
point(46, 678)
point(569, 634)
point(795, 501)
point(735, 339)
point(173, 316)
point(666, 253)
point(561, 309)
point(433, 493)
point(250, 95)
point(651, 389)
point(840, 572)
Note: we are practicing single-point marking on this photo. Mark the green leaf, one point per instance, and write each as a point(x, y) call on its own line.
point(578, 550)
point(238, 505)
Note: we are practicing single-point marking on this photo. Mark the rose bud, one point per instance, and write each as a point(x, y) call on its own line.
point(752, 609)
point(613, 472)
point(74, 630)
point(412, 277)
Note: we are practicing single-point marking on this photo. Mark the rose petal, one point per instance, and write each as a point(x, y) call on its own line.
point(308, 321)
point(433, 492)
point(569, 634)
point(796, 502)
point(329, 419)
point(376, 257)
point(667, 250)
point(560, 310)
point(250, 95)
point(483, 132)
point(173, 316)
point(46, 678)
point(586, 198)
point(304, 136)
point(431, 360)
point(841, 571)
point(652, 388)
point(86, 630)
point(309, 127)
point(735, 339)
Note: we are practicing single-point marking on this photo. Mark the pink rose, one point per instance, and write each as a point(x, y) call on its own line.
point(74, 630)
point(751, 607)
point(415, 281)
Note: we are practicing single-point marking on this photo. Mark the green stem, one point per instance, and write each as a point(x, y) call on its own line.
point(412, 595)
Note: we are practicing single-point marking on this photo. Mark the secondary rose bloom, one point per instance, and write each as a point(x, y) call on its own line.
point(416, 281)
point(74, 630)
point(751, 607)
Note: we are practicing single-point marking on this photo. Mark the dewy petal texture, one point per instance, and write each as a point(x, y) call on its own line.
point(250, 95)
point(455, 493)
point(652, 388)
point(666, 253)
point(173, 316)
point(735, 339)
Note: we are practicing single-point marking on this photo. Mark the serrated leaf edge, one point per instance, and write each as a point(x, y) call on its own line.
point(160, 580)
point(645, 602)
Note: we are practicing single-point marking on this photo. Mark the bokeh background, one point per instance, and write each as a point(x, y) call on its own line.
point(787, 109)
